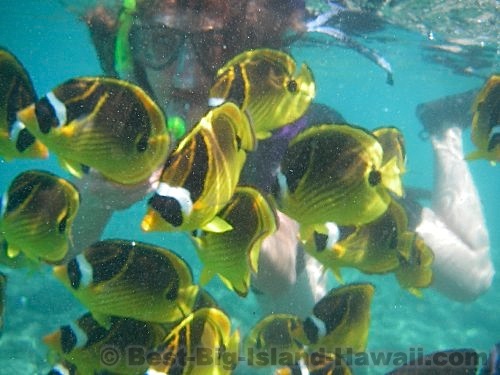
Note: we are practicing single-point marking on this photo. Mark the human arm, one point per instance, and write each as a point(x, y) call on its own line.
point(99, 198)
point(288, 280)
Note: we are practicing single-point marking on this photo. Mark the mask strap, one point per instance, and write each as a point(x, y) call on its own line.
point(124, 64)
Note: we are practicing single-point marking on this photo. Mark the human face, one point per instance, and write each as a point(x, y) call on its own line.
point(180, 56)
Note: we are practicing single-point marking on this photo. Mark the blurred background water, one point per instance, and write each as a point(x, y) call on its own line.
point(54, 46)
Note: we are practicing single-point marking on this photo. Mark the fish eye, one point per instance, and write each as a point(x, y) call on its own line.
point(85, 168)
point(74, 273)
point(393, 238)
point(320, 241)
point(62, 224)
point(258, 342)
point(171, 294)
point(418, 258)
point(142, 144)
point(238, 142)
point(292, 86)
point(374, 178)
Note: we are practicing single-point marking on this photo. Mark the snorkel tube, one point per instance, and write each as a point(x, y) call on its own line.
point(124, 64)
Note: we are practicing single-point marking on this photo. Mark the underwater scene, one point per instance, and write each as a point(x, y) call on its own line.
point(249, 187)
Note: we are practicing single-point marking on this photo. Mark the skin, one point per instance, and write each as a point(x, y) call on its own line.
point(182, 87)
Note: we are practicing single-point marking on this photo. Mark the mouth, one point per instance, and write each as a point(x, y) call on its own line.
point(186, 104)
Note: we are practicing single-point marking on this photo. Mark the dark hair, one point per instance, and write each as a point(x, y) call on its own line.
point(253, 23)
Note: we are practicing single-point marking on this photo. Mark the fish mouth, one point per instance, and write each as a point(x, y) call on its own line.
point(59, 272)
point(151, 222)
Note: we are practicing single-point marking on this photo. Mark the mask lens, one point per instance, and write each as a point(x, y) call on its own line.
point(155, 46)
point(212, 49)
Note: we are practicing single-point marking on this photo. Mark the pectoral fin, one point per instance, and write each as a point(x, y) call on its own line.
point(217, 225)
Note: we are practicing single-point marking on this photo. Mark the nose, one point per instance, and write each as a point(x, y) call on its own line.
point(185, 77)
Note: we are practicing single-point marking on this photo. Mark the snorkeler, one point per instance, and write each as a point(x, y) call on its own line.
point(178, 73)
point(172, 50)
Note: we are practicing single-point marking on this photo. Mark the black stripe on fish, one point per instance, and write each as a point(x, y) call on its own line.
point(168, 208)
point(120, 109)
point(332, 310)
point(19, 97)
point(237, 90)
point(21, 190)
point(178, 353)
point(74, 273)
point(80, 97)
point(107, 259)
point(311, 330)
point(133, 122)
point(24, 140)
point(203, 299)
point(196, 179)
point(68, 339)
point(345, 231)
point(95, 333)
point(123, 113)
point(25, 184)
point(297, 167)
point(493, 102)
point(62, 224)
point(161, 274)
point(320, 241)
point(46, 115)
point(494, 141)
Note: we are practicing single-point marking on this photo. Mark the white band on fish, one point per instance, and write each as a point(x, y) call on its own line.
point(17, 126)
point(85, 270)
point(319, 324)
point(215, 102)
point(3, 206)
point(282, 183)
point(81, 336)
point(333, 234)
point(59, 108)
point(181, 195)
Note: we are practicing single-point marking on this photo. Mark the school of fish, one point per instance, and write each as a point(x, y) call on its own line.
point(341, 183)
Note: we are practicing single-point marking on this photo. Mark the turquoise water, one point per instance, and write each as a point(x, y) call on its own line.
point(54, 47)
